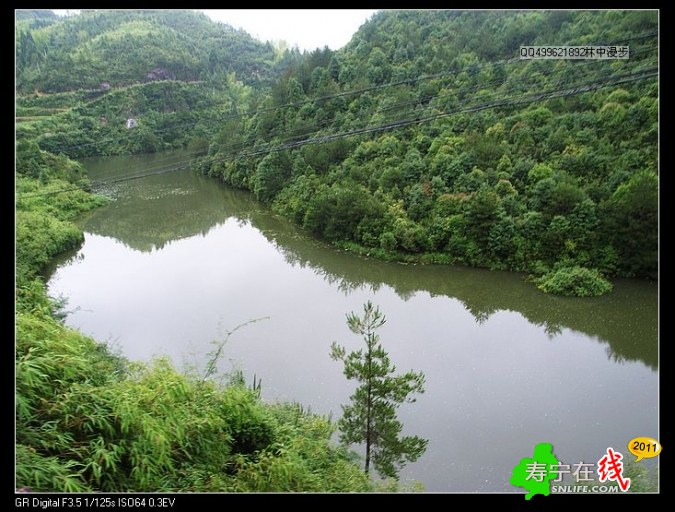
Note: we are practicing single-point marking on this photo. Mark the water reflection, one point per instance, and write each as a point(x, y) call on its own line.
point(149, 214)
point(507, 366)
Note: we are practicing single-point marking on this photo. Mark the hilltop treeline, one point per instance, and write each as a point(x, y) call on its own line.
point(125, 47)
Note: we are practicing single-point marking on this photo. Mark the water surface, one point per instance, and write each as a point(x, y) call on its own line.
point(177, 260)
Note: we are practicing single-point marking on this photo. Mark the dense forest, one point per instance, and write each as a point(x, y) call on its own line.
point(124, 47)
point(542, 166)
point(426, 139)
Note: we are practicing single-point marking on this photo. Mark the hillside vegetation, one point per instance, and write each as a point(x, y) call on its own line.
point(529, 165)
point(123, 47)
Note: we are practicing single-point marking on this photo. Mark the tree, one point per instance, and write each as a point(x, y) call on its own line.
point(371, 417)
point(630, 220)
point(272, 174)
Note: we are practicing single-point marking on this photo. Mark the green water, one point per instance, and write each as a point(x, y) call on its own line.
point(177, 259)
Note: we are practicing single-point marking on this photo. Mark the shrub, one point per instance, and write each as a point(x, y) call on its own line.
point(574, 281)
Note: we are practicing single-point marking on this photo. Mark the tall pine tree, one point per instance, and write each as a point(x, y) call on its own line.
point(371, 416)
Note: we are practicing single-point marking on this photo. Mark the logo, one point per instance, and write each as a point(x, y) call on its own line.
point(535, 474)
point(539, 473)
point(611, 468)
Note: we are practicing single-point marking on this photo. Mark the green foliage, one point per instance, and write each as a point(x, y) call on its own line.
point(40, 237)
point(341, 212)
point(169, 114)
point(642, 477)
point(123, 47)
point(32, 162)
point(46, 472)
point(88, 420)
point(519, 187)
point(574, 281)
point(631, 223)
point(49, 195)
point(272, 174)
point(371, 416)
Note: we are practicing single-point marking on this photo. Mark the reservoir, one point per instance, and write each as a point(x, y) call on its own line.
point(177, 260)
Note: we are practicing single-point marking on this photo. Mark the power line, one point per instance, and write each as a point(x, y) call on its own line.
point(579, 88)
point(462, 92)
point(181, 159)
point(476, 108)
point(474, 70)
point(458, 93)
point(177, 166)
point(312, 128)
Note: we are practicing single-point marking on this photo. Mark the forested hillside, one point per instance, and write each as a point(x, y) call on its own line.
point(167, 114)
point(467, 154)
point(127, 47)
point(425, 139)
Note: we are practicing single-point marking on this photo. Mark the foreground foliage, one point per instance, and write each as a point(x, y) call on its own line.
point(89, 420)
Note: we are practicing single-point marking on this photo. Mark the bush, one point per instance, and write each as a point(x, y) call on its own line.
point(575, 282)
point(88, 420)
point(40, 237)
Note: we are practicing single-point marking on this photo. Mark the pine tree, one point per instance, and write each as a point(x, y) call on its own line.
point(371, 416)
